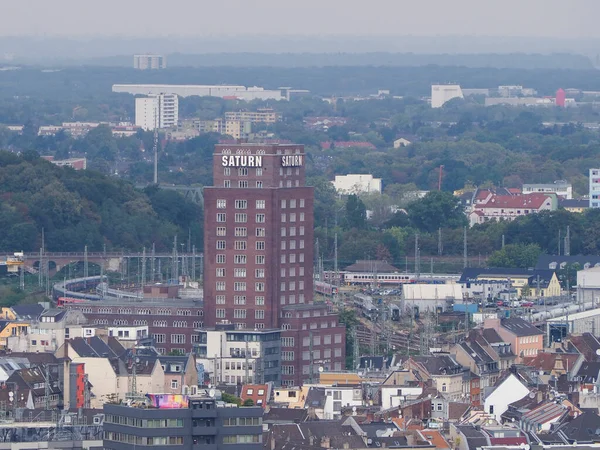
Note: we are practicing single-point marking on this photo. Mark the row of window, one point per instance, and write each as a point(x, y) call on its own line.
point(242, 421)
point(138, 440)
point(244, 184)
point(259, 300)
point(316, 354)
point(291, 299)
point(261, 204)
point(241, 245)
point(242, 286)
point(292, 231)
point(239, 313)
point(158, 312)
point(143, 423)
point(243, 439)
point(243, 218)
point(240, 272)
point(240, 259)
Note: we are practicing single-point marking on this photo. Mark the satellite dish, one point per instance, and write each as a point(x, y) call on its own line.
point(531, 395)
point(211, 393)
point(598, 352)
point(354, 409)
point(321, 369)
point(137, 360)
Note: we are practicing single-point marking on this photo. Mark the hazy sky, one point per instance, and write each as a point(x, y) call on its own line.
point(151, 18)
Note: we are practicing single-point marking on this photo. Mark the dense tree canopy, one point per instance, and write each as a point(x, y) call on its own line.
point(79, 208)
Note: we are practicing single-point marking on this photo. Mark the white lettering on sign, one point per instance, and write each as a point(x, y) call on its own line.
point(291, 161)
point(241, 161)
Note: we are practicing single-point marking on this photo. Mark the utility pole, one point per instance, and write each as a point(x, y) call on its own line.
point(335, 259)
point(567, 247)
point(175, 262)
point(85, 262)
point(417, 268)
point(156, 151)
point(465, 257)
point(559, 237)
point(356, 348)
point(440, 245)
point(502, 241)
point(143, 268)
point(153, 264)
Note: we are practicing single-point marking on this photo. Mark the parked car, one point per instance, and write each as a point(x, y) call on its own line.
point(527, 304)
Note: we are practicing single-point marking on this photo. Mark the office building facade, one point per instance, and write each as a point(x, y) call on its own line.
point(182, 422)
point(157, 111)
point(258, 254)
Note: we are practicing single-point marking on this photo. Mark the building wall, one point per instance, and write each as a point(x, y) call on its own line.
point(508, 392)
point(274, 224)
point(440, 94)
point(357, 184)
point(103, 380)
point(392, 396)
point(449, 385)
point(173, 328)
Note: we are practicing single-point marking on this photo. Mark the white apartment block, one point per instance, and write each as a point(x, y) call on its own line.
point(442, 93)
point(263, 115)
point(149, 62)
point(357, 184)
point(157, 111)
point(234, 356)
point(560, 188)
point(594, 188)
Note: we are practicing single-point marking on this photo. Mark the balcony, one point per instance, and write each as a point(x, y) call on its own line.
point(201, 430)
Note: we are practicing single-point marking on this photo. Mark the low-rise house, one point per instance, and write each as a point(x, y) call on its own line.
point(318, 435)
point(48, 331)
point(520, 279)
point(587, 344)
point(258, 393)
point(274, 415)
point(111, 369)
point(399, 387)
point(574, 205)
point(541, 418)
point(473, 354)
point(526, 340)
point(435, 438)
point(509, 207)
point(553, 365)
point(444, 371)
point(507, 390)
point(34, 387)
point(10, 364)
point(588, 376)
point(584, 429)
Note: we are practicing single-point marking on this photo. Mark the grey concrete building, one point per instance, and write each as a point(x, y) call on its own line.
point(202, 423)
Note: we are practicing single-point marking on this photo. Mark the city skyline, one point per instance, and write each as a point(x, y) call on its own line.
point(536, 18)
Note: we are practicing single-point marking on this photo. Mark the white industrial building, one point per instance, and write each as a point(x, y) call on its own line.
point(430, 297)
point(149, 62)
point(188, 90)
point(357, 184)
point(442, 93)
point(560, 188)
point(157, 111)
point(588, 285)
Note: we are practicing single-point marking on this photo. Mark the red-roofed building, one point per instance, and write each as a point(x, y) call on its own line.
point(508, 207)
point(258, 393)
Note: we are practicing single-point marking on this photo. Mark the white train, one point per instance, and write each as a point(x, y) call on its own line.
point(370, 278)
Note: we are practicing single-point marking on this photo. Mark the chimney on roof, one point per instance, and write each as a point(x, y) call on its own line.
point(325, 442)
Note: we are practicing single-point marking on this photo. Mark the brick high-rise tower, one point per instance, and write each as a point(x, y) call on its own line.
point(258, 255)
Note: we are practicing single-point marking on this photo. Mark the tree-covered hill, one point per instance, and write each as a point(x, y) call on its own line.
point(79, 208)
